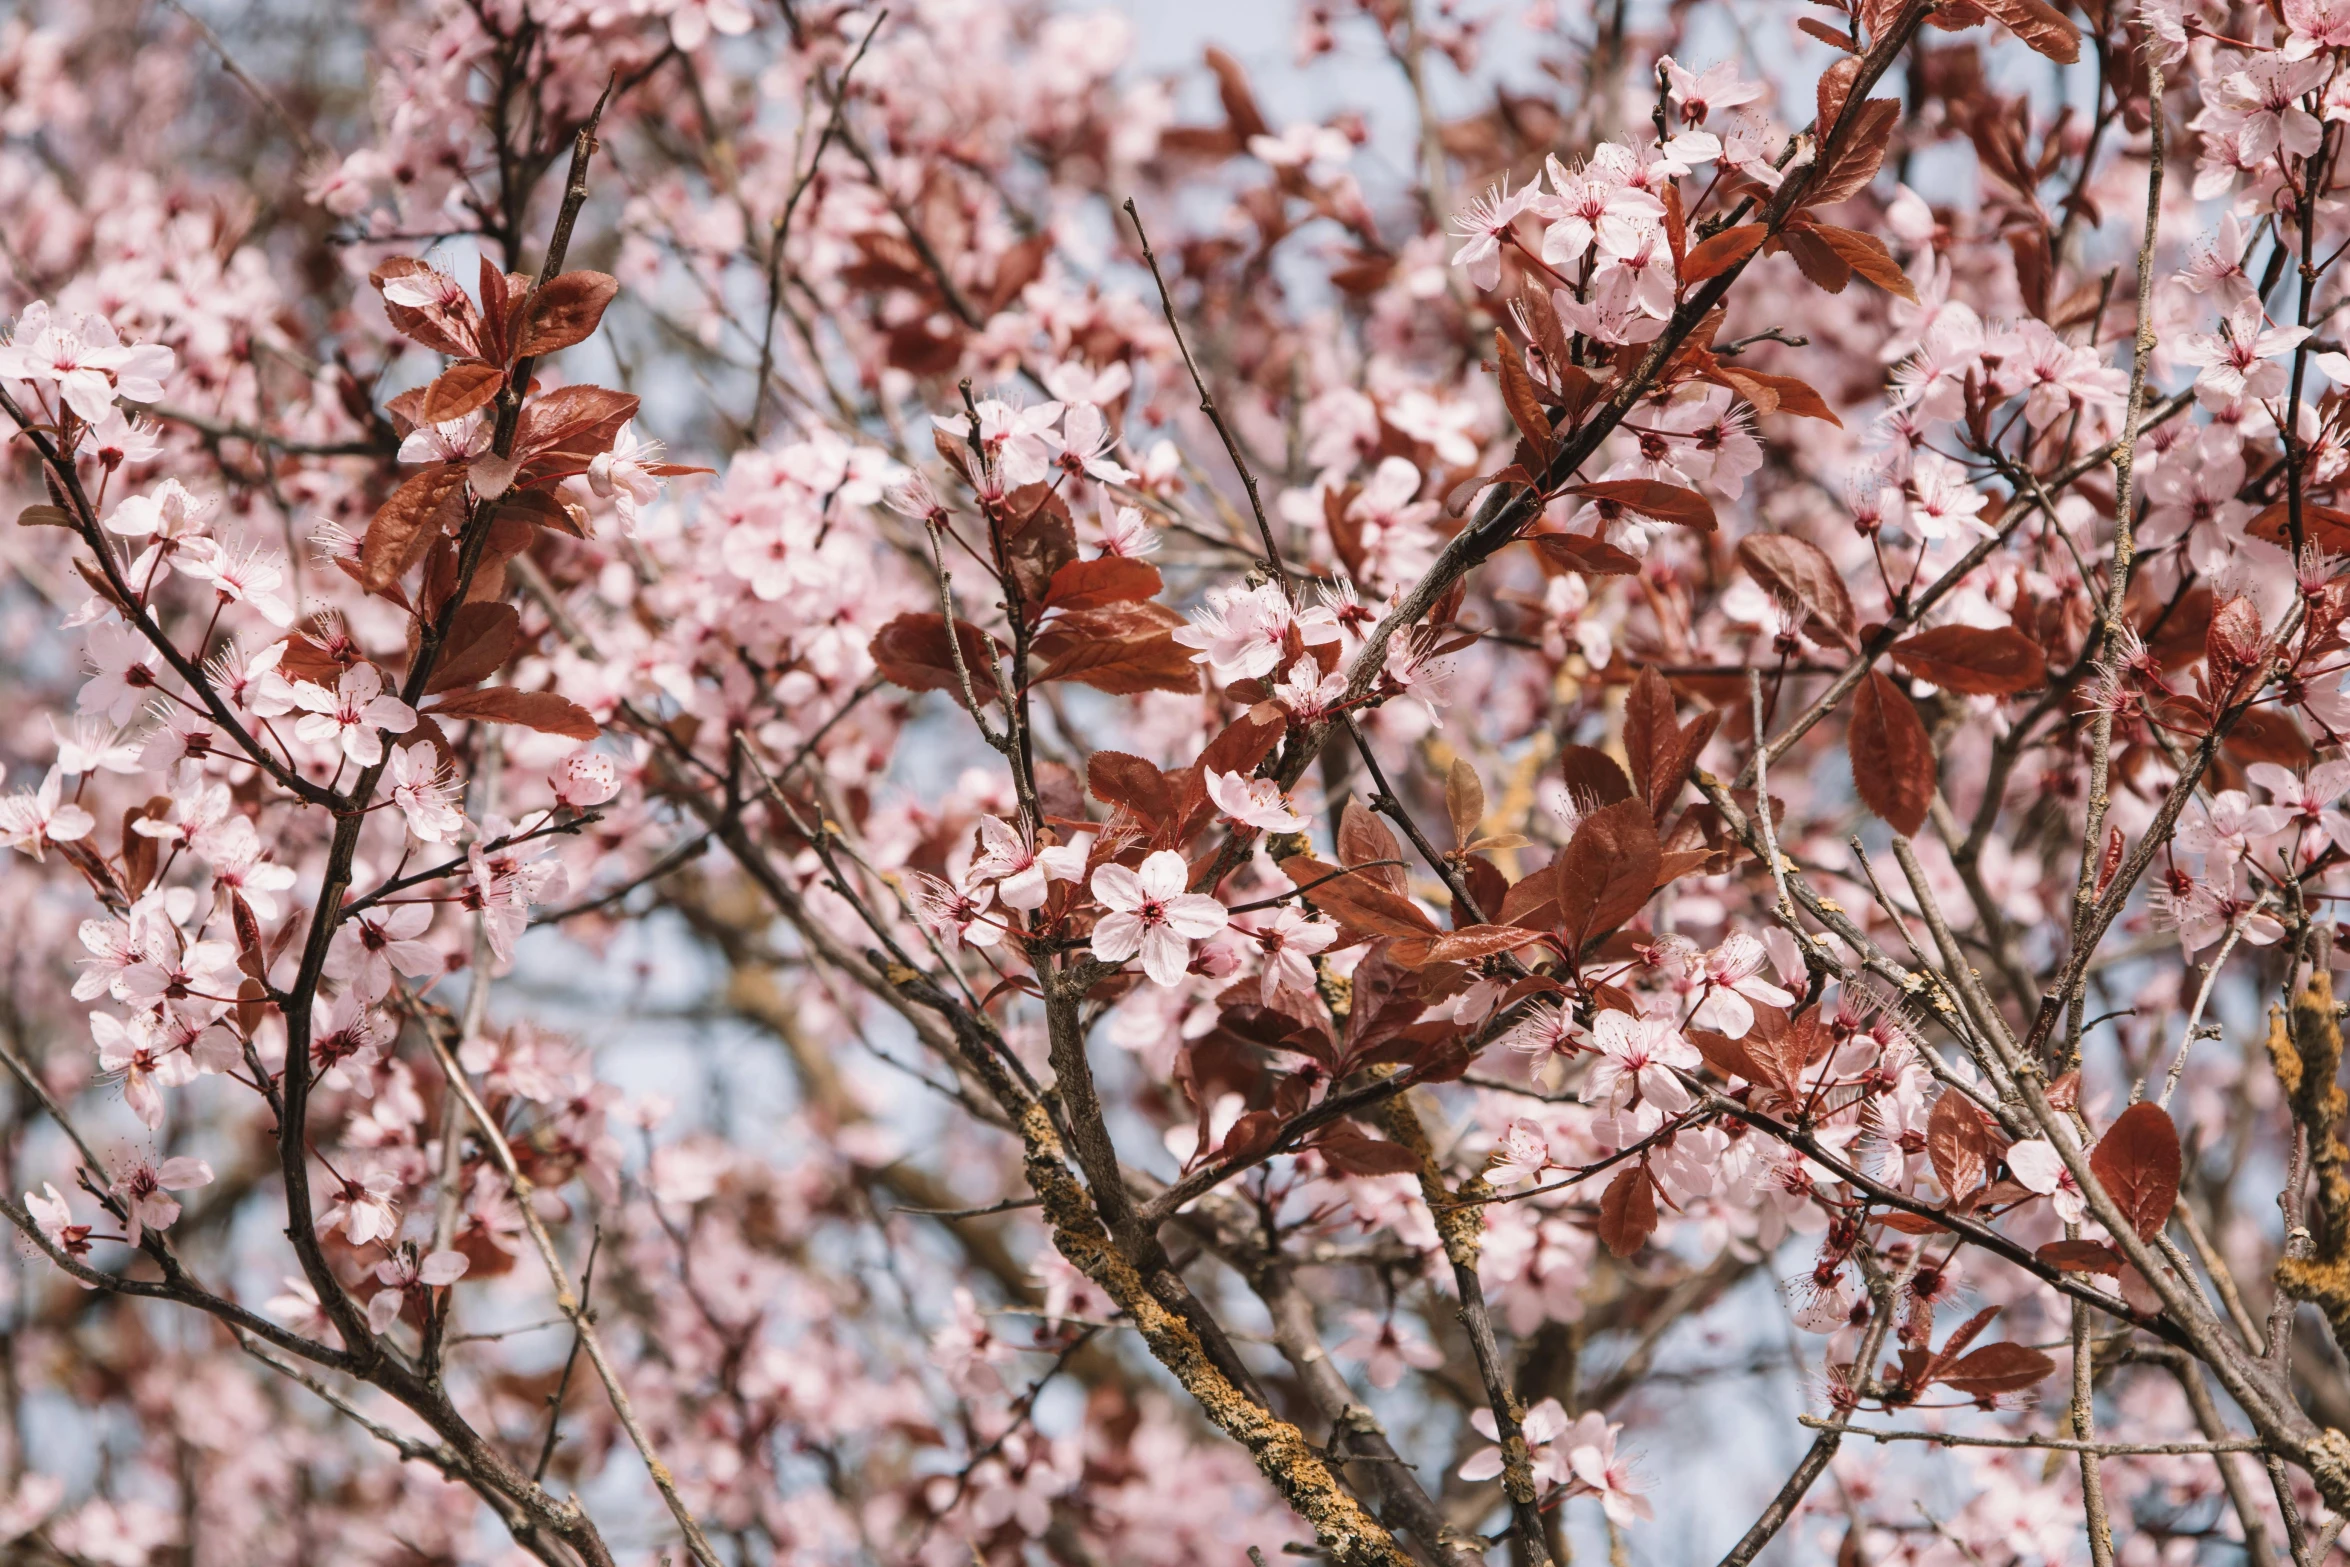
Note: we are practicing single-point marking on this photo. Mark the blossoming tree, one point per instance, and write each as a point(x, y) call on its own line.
point(1393, 836)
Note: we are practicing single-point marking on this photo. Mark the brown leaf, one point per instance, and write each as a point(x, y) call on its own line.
point(1039, 538)
point(1725, 1055)
point(1717, 255)
point(1517, 394)
point(2266, 734)
point(1350, 1150)
point(912, 651)
point(1464, 800)
point(1238, 748)
point(1627, 1211)
point(540, 710)
point(1892, 757)
point(459, 390)
point(1801, 572)
point(2234, 641)
point(1974, 659)
point(1663, 753)
point(565, 311)
point(1835, 86)
point(1653, 498)
point(1816, 259)
point(1795, 397)
point(1824, 33)
point(1995, 1369)
point(453, 329)
point(1592, 776)
point(1866, 254)
point(2040, 25)
point(1240, 102)
point(1091, 584)
point(1461, 946)
point(1124, 649)
point(1580, 552)
point(1117, 779)
point(1958, 1145)
point(1532, 899)
point(2137, 1161)
point(1363, 838)
point(2327, 527)
point(1354, 899)
point(481, 638)
point(2081, 1257)
point(1863, 135)
point(1607, 871)
point(571, 426)
point(420, 511)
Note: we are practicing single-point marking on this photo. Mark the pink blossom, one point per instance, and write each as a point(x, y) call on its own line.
point(2038, 1167)
point(1150, 912)
point(355, 715)
point(1254, 802)
point(1636, 1059)
point(33, 819)
point(144, 1190)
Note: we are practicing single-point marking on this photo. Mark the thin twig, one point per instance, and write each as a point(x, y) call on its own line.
point(1207, 405)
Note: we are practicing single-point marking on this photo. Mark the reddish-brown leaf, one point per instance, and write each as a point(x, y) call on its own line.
point(1958, 1145)
point(1792, 396)
point(571, 426)
point(1355, 899)
point(1581, 552)
point(2081, 1257)
point(1861, 140)
point(1725, 1055)
point(1592, 776)
point(2234, 640)
point(2137, 1162)
point(1363, 838)
point(1117, 779)
point(2265, 734)
point(1653, 498)
point(912, 651)
point(1713, 257)
point(1996, 1369)
point(2327, 527)
point(1091, 584)
point(1866, 254)
point(1978, 660)
point(1124, 649)
point(452, 328)
point(1801, 572)
point(1661, 750)
point(1461, 946)
point(481, 639)
point(1627, 1211)
point(1352, 1151)
point(1518, 395)
point(540, 710)
point(565, 311)
point(1533, 899)
point(1824, 33)
point(1243, 743)
point(1892, 757)
point(429, 504)
point(1607, 871)
point(1816, 258)
point(2040, 25)
point(1835, 86)
point(460, 389)
point(1464, 800)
